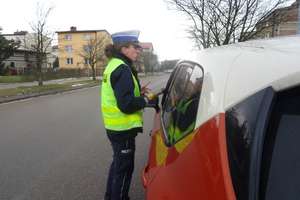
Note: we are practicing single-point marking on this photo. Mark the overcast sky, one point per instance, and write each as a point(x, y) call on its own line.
point(158, 24)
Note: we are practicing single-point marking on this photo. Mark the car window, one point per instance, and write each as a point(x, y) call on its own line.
point(181, 104)
point(245, 130)
point(281, 159)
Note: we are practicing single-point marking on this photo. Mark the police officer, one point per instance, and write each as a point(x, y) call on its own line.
point(121, 105)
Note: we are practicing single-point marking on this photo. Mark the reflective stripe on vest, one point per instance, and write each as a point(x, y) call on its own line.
point(114, 118)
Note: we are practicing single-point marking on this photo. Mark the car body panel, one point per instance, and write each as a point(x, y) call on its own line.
point(212, 175)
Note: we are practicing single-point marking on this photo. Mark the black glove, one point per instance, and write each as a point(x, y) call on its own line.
point(154, 103)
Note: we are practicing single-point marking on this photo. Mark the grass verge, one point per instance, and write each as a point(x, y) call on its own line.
point(46, 88)
point(16, 79)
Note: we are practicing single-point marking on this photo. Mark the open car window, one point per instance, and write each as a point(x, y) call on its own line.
point(181, 102)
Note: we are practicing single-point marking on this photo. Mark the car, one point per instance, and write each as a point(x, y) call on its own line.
point(229, 125)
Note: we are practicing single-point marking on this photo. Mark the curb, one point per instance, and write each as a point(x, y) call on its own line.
point(28, 96)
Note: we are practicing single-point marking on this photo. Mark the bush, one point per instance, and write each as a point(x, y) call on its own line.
point(3, 69)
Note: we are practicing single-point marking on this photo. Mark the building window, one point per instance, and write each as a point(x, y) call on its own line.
point(87, 36)
point(87, 61)
point(18, 40)
point(12, 64)
point(278, 30)
point(68, 37)
point(87, 48)
point(69, 61)
point(68, 48)
point(267, 35)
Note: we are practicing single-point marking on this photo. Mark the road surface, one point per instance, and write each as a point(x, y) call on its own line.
point(55, 147)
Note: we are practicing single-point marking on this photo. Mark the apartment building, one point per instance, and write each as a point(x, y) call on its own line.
point(148, 60)
point(281, 22)
point(73, 44)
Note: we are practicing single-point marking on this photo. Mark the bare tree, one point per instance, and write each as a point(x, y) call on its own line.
point(93, 52)
point(220, 22)
point(168, 64)
point(150, 61)
point(40, 40)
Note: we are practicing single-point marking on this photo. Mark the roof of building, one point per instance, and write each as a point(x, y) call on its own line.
point(74, 30)
point(82, 31)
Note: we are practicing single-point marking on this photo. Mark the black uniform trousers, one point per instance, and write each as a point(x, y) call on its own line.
point(122, 166)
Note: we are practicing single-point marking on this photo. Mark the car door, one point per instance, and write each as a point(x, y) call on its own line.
point(246, 125)
point(281, 156)
point(262, 134)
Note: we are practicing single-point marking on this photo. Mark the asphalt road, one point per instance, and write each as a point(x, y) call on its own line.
point(55, 147)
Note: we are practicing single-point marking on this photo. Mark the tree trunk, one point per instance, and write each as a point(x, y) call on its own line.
point(40, 78)
point(39, 74)
point(93, 73)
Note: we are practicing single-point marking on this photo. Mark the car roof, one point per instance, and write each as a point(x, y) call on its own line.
point(235, 72)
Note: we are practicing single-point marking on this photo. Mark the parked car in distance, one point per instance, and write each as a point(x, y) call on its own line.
point(229, 126)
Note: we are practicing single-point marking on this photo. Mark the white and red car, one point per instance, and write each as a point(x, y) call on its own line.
point(229, 127)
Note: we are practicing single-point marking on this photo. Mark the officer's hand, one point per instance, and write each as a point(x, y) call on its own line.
point(153, 103)
point(150, 95)
point(145, 89)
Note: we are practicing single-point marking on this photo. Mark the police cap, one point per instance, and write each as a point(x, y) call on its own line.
point(126, 36)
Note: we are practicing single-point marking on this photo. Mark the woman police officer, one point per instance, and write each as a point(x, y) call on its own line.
point(121, 104)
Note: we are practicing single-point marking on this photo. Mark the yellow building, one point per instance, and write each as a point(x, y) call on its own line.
point(73, 46)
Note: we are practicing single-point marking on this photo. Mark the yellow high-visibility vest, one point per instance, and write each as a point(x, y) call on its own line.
point(114, 118)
